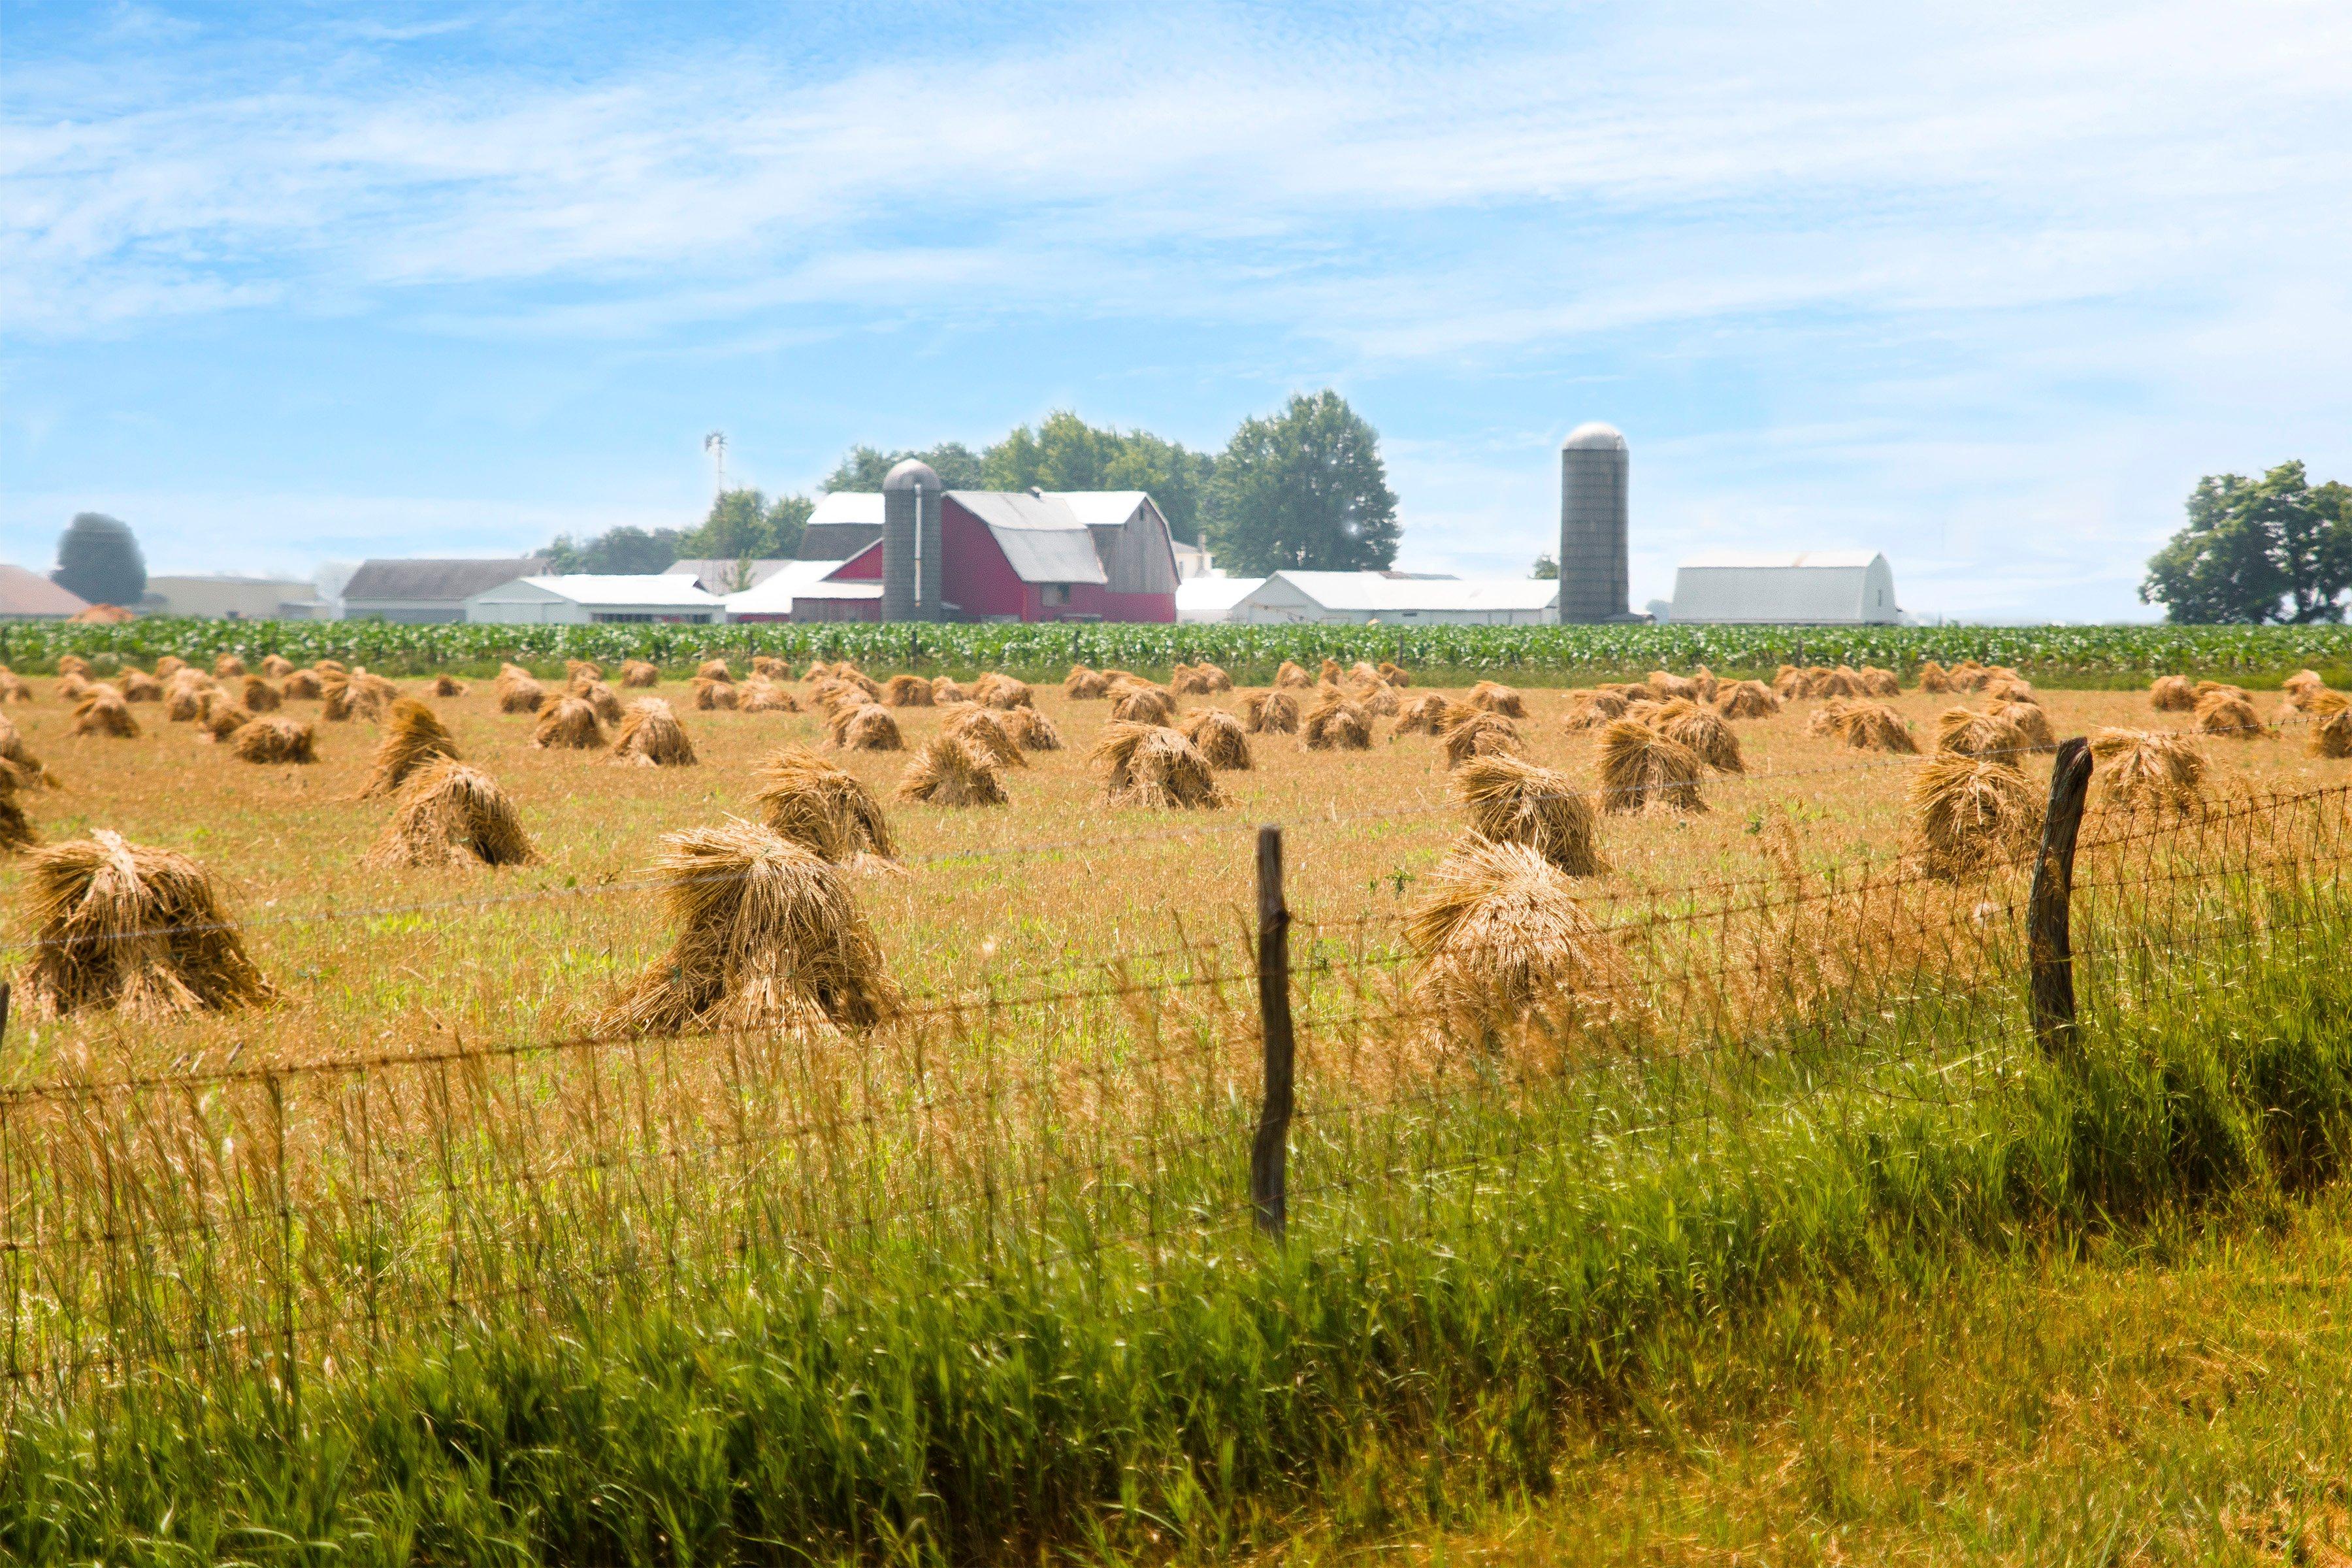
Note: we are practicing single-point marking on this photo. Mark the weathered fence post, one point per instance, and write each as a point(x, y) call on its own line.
point(1269, 1158)
point(2049, 942)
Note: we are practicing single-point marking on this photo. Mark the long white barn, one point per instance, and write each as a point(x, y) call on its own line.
point(1811, 587)
point(1357, 598)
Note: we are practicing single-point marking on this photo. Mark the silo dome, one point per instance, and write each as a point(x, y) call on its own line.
point(914, 474)
point(1594, 436)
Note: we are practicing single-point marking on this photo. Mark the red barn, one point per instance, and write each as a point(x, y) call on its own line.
point(1031, 555)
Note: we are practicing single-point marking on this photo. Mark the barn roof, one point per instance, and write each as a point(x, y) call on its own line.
point(722, 571)
point(402, 581)
point(614, 588)
point(774, 595)
point(1042, 537)
point(28, 594)
point(1782, 559)
point(1378, 591)
point(1800, 587)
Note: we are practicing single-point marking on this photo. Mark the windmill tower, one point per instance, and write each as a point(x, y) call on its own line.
point(715, 445)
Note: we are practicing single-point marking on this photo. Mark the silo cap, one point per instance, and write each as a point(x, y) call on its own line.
point(1594, 437)
point(914, 474)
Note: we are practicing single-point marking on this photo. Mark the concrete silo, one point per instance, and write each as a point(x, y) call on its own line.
point(1593, 465)
point(911, 574)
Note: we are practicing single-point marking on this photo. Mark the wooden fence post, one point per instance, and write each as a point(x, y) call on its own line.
point(2049, 942)
point(1269, 1158)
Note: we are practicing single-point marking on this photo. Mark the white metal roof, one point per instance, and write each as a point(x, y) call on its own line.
point(601, 588)
point(1805, 587)
point(774, 595)
point(721, 570)
point(1781, 560)
point(1042, 538)
point(1212, 595)
point(848, 506)
point(1101, 508)
point(1378, 593)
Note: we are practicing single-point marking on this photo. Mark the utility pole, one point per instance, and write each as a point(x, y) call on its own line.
point(715, 445)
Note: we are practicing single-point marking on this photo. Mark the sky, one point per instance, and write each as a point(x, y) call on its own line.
point(1985, 288)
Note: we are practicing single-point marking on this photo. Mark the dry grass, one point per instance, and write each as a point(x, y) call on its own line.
point(414, 735)
point(1272, 712)
point(14, 688)
point(275, 738)
point(768, 937)
point(1642, 771)
point(1293, 678)
point(1688, 723)
point(1031, 730)
point(1969, 733)
point(1427, 714)
point(1142, 705)
point(305, 686)
point(578, 672)
point(906, 691)
point(651, 737)
point(517, 691)
point(1666, 686)
point(219, 718)
point(2173, 694)
point(1150, 766)
point(639, 674)
point(103, 712)
point(1503, 946)
point(1495, 698)
point(953, 770)
point(711, 696)
point(2298, 688)
point(995, 690)
point(19, 758)
point(1971, 811)
point(138, 687)
point(1747, 700)
point(1220, 738)
point(1480, 732)
point(2030, 721)
point(359, 695)
point(570, 725)
point(1864, 726)
point(821, 807)
point(226, 667)
point(713, 669)
point(259, 697)
point(1337, 725)
point(761, 694)
point(947, 691)
point(128, 928)
point(986, 728)
point(2332, 736)
point(2147, 769)
point(1514, 802)
point(2226, 712)
point(448, 814)
point(1395, 675)
point(1932, 678)
point(865, 727)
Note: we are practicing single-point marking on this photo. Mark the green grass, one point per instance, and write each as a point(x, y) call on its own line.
point(1120, 1368)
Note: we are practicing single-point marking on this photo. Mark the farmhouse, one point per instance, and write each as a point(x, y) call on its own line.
point(1813, 588)
point(1394, 598)
point(426, 591)
point(595, 600)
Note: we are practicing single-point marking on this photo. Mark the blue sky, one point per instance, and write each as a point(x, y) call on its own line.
point(1985, 288)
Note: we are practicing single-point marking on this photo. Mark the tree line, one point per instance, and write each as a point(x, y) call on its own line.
point(1302, 487)
point(2275, 549)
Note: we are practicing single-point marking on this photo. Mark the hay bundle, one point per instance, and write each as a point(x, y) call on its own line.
point(16, 827)
point(1703, 679)
point(518, 690)
point(2031, 723)
point(1395, 676)
point(1865, 727)
point(2301, 685)
point(1363, 673)
point(329, 667)
point(946, 689)
point(982, 727)
point(867, 687)
point(2227, 713)
point(1844, 681)
point(259, 695)
point(1184, 681)
point(183, 699)
point(360, 695)
point(768, 937)
point(1330, 674)
point(601, 698)
point(769, 666)
point(1475, 733)
point(995, 690)
point(1789, 684)
point(277, 666)
point(103, 712)
point(636, 672)
point(831, 696)
point(139, 687)
point(2001, 689)
point(2332, 736)
point(1218, 737)
point(1033, 729)
point(569, 724)
point(448, 814)
point(414, 735)
point(220, 718)
point(651, 737)
point(1877, 682)
point(303, 685)
point(952, 771)
point(866, 727)
point(1148, 764)
point(821, 807)
point(1932, 678)
point(26, 767)
point(73, 688)
point(1643, 771)
point(14, 688)
point(2148, 770)
point(1142, 705)
point(1380, 699)
point(1971, 811)
point(1666, 686)
point(275, 740)
point(134, 928)
point(817, 669)
point(907, 691)
point(1291, 677)
point(73, 664)
point(2320, 704)
point(1503, 945)
point(170, 665)
point(2173, 694)
point(1211, 678)
point(1337, 725)
point(1747, 700)
point(711, 695)
point(760, 695)
point(1590, 710)
point(579, 670)
point(713, 669)
point(1495, 698)
point(1969, 676)
point(227, 666)
point(1272, 712)
point(1427, 714)
point(1514, 802)
point(1968, 733)
point(1692, 724)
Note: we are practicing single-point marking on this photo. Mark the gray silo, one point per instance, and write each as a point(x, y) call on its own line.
point(1594, 579)
point(911, 578)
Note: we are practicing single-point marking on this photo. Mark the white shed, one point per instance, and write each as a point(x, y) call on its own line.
point(1811, 587)
point(1210, 601)
point(1361, 598)
point(595, 599)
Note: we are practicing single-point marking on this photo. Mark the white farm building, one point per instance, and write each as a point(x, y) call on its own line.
point(1385, 598)
point(1811, 587)
point(599, 599)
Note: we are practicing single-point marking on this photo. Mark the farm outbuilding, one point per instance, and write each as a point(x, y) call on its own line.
point(1393, 598)
point(1210, 601)
point(426, 591)
point(585, 599)
point(1813, 588)
point(29, 596)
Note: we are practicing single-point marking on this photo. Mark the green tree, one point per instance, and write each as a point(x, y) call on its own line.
point(2268, 549)
point(98, 558)
point(629, 550)
point(788, 519)
point(865, 468)
point(1547, 570)
point(1304, 488)
point(1066, 453)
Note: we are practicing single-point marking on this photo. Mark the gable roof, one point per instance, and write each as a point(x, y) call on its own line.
point(1781, 560)
point(26, 594)
point(435, 582)
point(1378, 591)
point(1042, 538)
point(1101, 508)
point(717, 575)
point(774, 595)
point(613, 588)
